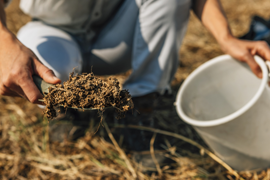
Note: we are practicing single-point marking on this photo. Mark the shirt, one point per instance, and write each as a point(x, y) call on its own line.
point(73, 16)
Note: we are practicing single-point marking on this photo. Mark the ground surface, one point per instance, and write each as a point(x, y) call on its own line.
point(25, 151)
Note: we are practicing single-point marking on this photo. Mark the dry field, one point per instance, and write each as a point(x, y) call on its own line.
point(26, 152)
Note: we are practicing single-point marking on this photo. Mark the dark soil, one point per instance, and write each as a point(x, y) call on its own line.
point(87, 91)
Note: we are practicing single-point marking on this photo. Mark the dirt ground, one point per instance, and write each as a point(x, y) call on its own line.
point(26, 153)
point(86, 91)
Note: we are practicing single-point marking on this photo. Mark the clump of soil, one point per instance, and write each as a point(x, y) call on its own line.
point(87, 91)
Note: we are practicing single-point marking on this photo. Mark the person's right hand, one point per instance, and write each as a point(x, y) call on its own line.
point(17, 65)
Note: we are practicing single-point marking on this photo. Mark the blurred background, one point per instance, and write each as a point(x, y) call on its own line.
point(26, 153)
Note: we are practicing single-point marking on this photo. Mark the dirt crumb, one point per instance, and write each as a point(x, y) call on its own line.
point(87, 91)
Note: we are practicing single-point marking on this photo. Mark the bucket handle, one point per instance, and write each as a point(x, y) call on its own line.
point(267, 63)
point(268, 67)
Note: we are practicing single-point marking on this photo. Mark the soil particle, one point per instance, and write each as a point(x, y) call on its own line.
point(87, 91)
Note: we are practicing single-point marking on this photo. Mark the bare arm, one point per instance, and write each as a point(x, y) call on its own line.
point(212, 16)
point(18, 64)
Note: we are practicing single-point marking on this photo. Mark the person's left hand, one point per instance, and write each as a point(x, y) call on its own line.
point(244, 51)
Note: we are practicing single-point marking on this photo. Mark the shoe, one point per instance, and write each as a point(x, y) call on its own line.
point(70, 124)
point(137, 141)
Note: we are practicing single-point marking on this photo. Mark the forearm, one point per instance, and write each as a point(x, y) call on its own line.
point(212, 16)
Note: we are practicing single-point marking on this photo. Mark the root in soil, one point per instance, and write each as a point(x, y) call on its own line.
point(87, 91)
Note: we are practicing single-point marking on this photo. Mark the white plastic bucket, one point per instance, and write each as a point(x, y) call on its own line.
point(230, 108)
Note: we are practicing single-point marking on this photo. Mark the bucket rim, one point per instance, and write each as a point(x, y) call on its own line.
point(230, 117)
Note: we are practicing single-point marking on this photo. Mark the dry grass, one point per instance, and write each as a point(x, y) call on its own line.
point(26, 153)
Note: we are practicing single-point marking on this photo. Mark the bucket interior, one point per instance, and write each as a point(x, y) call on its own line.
point(219, 90)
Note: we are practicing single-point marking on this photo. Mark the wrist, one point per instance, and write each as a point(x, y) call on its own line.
point(224, 35)
point(225, 41)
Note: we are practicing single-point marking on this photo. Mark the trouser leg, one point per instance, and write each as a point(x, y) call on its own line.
point(160, 28)
point(145, 35)
point(111, 52)
point(54, 48)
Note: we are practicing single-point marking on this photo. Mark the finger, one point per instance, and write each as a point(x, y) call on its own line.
point(29, 88)
point(262, 49)
point(45, 73)
point(248, 58)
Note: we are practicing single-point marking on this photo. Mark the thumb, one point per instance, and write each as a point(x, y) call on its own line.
point(45, 73)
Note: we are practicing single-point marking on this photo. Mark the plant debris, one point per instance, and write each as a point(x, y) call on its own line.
point(87, 91)
point(27, 153)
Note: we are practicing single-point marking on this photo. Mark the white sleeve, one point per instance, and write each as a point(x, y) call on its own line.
point(6, 2)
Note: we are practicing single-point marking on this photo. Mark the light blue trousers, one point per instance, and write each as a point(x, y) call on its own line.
point(144, 35)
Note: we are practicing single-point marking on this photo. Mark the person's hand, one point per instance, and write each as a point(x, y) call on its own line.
point(244, 51)
point(17, 65)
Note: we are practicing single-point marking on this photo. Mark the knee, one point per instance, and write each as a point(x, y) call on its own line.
point(169, 7)
point(54, 48)
point(169, 10)
point(60, 55)
point(175, 9)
